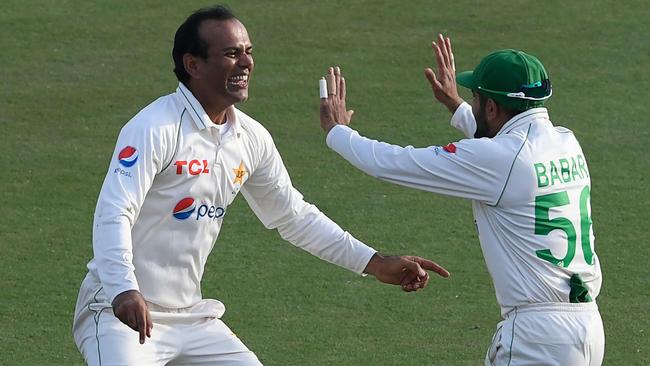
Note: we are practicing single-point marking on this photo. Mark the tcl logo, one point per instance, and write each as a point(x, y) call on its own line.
point(194, 167)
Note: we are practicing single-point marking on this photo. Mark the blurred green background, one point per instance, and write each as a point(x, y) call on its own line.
point(73, 72)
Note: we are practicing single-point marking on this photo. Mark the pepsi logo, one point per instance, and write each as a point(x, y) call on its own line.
point(184, 208)
point(128, 156)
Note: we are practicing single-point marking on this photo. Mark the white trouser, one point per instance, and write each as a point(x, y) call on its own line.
point(192, 336)
point(553, 334)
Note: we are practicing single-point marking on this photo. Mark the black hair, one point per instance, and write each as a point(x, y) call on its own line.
point(188, 40)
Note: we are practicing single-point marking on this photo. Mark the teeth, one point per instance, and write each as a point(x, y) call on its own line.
point(238, 78)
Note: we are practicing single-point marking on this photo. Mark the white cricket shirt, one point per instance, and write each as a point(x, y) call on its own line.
point(530, 189)
point(167, 191)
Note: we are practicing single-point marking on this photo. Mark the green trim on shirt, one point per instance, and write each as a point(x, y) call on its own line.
point(511, 166)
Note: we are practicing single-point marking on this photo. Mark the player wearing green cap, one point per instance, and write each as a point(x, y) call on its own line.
point(530, 189)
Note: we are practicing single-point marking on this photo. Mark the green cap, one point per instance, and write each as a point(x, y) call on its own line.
point(512, 78)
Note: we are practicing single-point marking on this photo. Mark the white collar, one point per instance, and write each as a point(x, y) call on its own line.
point(523, 118)
point(195, 109)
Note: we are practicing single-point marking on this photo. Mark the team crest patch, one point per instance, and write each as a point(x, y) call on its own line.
point(450, 148)
point(240, 172)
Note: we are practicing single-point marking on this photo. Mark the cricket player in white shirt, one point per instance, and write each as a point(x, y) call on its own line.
point(530, 189)
point(177, 166)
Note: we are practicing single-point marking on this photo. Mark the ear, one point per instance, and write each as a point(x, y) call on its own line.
point(491, 109)
point(192, 65)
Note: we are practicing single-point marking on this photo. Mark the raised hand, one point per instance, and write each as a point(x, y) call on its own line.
point(406, 271)
point(443, 83)
point(332, 109)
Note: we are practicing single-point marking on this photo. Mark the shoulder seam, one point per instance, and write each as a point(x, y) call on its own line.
point(512, 165)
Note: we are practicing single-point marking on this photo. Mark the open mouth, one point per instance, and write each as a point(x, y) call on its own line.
point(238, 81)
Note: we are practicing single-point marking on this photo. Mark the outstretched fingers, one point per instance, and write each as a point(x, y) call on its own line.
point(443, 80)
point(333, 106)
point(440, 58)
point(452, 62)
point(331, 82)
point(443, 50)
point(337, 80)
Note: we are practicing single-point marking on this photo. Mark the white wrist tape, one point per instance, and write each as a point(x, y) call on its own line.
point(322, 86)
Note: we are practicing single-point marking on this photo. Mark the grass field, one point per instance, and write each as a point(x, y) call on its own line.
point(73, 72)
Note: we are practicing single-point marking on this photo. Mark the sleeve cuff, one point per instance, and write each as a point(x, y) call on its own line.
point(370, 252)
point(457, 118)
point(114, 292)
point(335, 133)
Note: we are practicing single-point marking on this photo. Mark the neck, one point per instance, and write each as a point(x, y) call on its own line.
point(217, 115)
point(215, 110)
point(497, 125)
point(501, 118)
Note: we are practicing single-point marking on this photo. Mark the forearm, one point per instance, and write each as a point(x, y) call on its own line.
point(405, 166)
point(314, 232)
point(121, 198)
point(457, 169)
point(370, 156)
point(113, 254)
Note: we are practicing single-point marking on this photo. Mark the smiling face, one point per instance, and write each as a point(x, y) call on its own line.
point(223, 76)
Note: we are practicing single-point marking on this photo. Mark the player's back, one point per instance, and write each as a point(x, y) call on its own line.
point(538, 239)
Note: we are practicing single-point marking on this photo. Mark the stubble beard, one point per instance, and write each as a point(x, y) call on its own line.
point(481, 124)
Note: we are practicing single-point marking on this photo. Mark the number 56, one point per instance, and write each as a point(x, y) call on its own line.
point(544, 225)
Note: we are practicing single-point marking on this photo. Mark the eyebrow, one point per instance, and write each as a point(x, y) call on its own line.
point(235, 48)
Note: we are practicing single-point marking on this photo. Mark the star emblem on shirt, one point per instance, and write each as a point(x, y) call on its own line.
point(240, 172)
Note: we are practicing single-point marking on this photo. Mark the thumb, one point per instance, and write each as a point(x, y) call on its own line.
point(350, 113)
point(414, 268)
point(431, 76)
point(431, 266)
